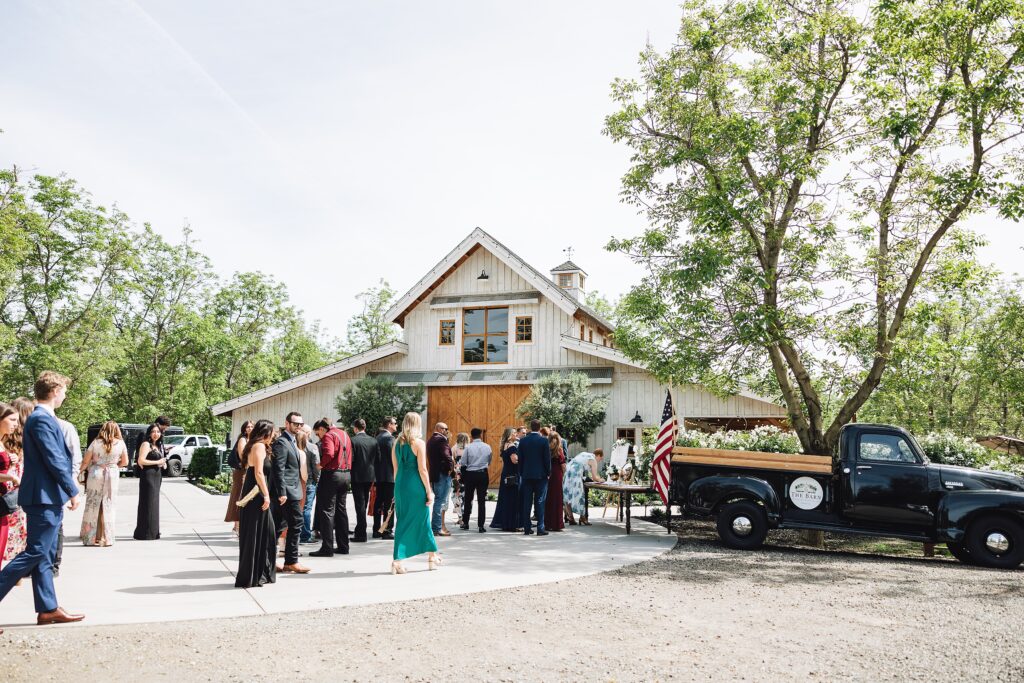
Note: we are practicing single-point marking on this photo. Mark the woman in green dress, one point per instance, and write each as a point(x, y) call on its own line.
point(414, 497)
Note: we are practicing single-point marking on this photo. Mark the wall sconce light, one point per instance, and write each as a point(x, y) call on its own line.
point(483, 275)
point(637, 418)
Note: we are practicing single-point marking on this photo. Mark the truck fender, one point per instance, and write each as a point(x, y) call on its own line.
point(705, 494)
point(957, 509)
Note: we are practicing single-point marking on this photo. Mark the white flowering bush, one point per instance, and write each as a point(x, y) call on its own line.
point(1004, 463)
point(768, 439)
point(947, 448)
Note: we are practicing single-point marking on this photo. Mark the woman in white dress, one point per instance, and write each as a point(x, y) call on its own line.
point(102, 462)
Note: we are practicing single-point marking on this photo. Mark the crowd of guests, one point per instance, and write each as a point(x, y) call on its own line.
point(287, 488)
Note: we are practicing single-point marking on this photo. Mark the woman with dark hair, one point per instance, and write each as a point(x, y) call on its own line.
point(237, 473)
point(9, 479)
point(257, 542)
point(506, 514)
point(17, 534)
point(151, 462)
point(554, 515)
point(103, 459)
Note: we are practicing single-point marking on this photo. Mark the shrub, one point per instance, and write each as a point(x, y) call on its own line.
point(947, 448)
point(567, 402)
point(219, 484)
point(205, 464)
point(767, 438)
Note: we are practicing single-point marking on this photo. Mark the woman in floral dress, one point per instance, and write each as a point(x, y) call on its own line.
point(572, 483)
point(8, 479)
point(103, 460)
point(17, 530)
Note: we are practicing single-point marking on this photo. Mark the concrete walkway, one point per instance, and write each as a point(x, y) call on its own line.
point(189, 572)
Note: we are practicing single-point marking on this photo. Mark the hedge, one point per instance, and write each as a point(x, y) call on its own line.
point(205, 464)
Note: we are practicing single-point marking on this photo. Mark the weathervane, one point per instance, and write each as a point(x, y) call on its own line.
point(568, 251)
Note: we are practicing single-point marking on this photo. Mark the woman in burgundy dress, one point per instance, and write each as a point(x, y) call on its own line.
point(554, 519)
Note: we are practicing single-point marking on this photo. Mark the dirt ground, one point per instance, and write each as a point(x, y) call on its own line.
point(700, 612)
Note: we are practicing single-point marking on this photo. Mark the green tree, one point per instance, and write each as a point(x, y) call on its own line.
point(567, 402)
point(802, 165)
point(374, 398)
point(369, 329)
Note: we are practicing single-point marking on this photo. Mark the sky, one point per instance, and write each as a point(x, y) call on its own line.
point(333, 144)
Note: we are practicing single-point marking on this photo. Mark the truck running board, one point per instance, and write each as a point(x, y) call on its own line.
point(857, 532)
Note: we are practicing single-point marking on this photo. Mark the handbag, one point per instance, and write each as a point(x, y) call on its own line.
point(387, 520)
point(242, 502)
point(9, 502)
point(510, 480)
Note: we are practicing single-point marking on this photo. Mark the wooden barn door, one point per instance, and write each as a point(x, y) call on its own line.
point(491, 408)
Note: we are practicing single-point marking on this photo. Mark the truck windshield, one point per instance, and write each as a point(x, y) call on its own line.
point(173, 440)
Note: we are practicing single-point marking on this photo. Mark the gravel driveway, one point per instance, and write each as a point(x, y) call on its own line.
point(700, 612)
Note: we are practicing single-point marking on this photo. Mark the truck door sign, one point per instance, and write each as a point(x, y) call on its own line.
point(806, 493)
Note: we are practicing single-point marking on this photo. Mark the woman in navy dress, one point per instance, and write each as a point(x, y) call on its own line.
point(506, 515)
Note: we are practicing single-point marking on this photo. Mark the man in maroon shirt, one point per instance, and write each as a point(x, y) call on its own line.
point(332, 490)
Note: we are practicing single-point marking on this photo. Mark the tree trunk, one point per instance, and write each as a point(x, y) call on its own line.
point(815, 539)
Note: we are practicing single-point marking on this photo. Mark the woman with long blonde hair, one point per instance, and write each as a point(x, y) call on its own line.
point(414, 498)
point(102, 462)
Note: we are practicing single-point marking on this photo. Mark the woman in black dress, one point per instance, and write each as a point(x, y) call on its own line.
point(506, 515)
point(150, 458)
point(257, 542)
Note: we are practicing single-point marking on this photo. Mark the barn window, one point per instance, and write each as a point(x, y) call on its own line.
point(446, 335)
point(524, 328)
point(485, 335)
point(590, 336)
point(565, 280)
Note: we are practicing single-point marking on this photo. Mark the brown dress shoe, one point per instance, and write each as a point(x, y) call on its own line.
point(57, 616)
point(295, 569)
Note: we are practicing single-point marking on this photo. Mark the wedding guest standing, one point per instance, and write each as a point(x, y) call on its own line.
point(440, 466)
point(554, 514)
point(237, 474)
point(102, 463)
point(151, 461)
point(384, 477)
point(74, 444)
point(458, 487)
point(475, 461)
point(44, 490)
point(257, 540)
point(534, 469)
point(312, 452)
point(506, 514)
point(364, 451)
point(17, 534)
point(331, 492)
point(414, 497)
point(572, 484)
point(9, 478)
point(287, 487)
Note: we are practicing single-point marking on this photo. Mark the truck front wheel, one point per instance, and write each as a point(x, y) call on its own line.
point(174, 468)
point(995, 541)
point(742, 525)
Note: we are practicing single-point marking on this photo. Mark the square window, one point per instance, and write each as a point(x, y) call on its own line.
point(524, 328)
point(446, 336)
point(565, 280)
point(485, 335)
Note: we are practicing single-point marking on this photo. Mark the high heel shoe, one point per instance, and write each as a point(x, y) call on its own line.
point(397, 568)
point(433, 562)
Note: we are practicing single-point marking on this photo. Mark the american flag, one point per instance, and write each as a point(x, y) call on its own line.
point(661, 468)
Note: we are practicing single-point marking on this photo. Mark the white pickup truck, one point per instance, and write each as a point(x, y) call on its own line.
point(179, 449)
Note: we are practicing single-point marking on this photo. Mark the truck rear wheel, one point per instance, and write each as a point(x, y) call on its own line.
point(742, 525)
point(996, 541)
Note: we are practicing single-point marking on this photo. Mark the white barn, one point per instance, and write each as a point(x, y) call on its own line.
point(478, 330)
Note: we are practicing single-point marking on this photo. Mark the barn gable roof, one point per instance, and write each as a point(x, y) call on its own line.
point(457, 256)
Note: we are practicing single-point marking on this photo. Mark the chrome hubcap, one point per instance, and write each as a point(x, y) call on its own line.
point(997, 543)
point(742, 526)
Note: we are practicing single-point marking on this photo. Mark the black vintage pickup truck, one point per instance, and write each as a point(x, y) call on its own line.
point(880, 484)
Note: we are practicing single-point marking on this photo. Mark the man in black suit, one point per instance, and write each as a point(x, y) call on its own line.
point(364, 452)
point(535, 468)
point(287, 491)
point(384, 478)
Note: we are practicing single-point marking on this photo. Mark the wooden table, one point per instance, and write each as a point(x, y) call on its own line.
point(625, 492)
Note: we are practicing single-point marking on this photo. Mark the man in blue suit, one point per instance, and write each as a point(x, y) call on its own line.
point(534, 468)
point(46, 486)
